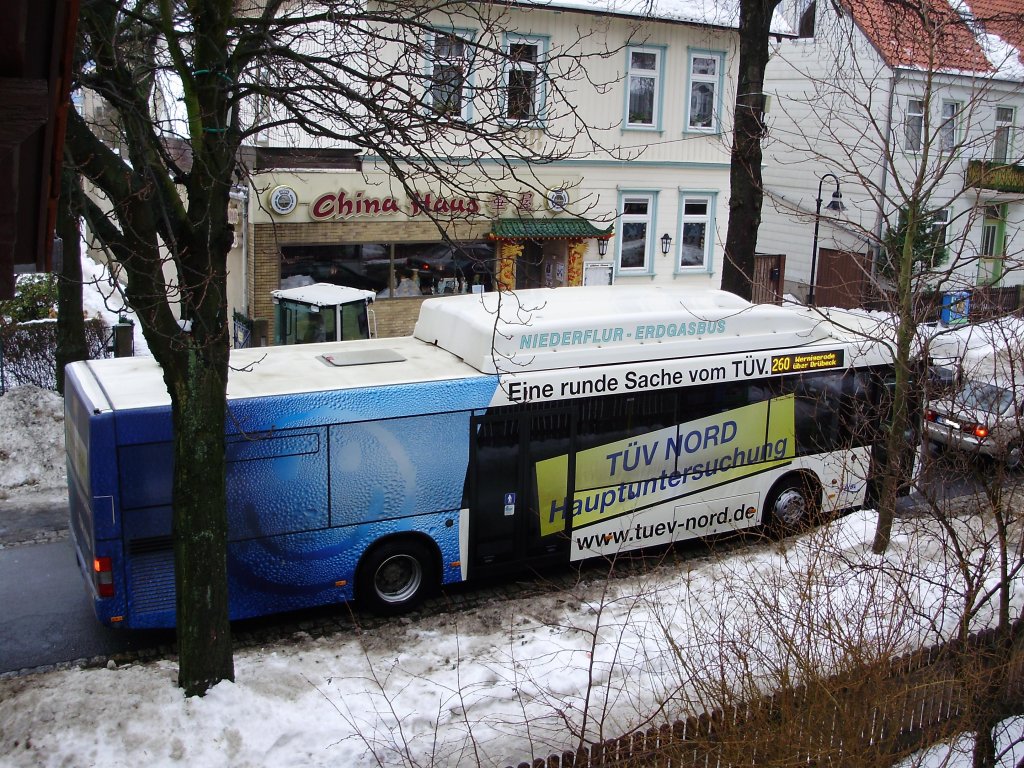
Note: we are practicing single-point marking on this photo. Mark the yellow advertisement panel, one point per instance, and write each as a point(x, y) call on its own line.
point(648, 469)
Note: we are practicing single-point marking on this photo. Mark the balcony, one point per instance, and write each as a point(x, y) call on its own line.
point(998, 177)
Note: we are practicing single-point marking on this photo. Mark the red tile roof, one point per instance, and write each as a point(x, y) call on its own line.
point(1002, 17)
point(931, 35)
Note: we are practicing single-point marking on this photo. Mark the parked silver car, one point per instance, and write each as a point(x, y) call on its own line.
point(980, 411)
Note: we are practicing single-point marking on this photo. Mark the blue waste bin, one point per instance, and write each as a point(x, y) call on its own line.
point(955, 308)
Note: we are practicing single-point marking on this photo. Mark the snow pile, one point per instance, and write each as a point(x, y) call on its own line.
point(101, 297)
point(31, 439)
point(510, 678)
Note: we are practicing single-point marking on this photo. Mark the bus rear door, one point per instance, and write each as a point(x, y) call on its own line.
point(505, 522)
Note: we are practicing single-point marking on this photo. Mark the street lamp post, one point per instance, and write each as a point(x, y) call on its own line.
point(836, 204)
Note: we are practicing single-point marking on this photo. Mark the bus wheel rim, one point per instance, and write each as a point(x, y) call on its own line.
point(791, 506)
point(398, 578)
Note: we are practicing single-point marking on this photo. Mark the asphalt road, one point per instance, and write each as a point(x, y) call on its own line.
point(45, 616)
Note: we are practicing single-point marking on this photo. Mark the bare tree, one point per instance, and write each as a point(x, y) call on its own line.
point(981, 528)
point(71, 341)
point(901, 129)
point(184, 86)
point(745, 183)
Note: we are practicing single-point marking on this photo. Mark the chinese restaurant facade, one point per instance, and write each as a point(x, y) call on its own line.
point(355, 229)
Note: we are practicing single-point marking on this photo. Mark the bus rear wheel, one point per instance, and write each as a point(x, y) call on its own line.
point(792, 505)
point(395, 577)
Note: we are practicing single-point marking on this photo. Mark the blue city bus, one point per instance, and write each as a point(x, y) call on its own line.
point(511, 431)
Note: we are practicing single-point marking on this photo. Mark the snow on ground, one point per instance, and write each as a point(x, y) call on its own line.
point(101, 298)
point(497, 685)
point(31, 441)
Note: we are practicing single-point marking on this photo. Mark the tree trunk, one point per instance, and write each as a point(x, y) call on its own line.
point(200, 520)
point(71, 344)
point(745, 182)
point(895, 469)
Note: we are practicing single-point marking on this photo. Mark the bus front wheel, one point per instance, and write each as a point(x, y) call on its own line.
point(792, 505)
point(395, 577)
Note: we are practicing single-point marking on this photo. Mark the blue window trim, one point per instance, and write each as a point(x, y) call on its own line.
point(468, 88)
point(544, 42)
point(709, 248)
point(648, 271)
point(659, 97)
point(719, 88)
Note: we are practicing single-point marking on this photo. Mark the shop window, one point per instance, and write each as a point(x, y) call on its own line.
point(418, 268)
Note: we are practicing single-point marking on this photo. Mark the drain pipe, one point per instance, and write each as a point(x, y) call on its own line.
point(241, 196)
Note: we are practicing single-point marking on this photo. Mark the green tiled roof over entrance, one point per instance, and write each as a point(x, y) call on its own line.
point(547, 229)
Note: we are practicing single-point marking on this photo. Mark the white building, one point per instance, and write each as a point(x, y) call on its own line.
point(898, 109)
point(638, 192)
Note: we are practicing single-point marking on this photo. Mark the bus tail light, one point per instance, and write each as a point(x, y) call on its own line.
point(979, 430)
point(930, 415)
point(103, 576)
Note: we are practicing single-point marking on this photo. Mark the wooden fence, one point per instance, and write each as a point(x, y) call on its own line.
point(871, 716)
point(985, 303)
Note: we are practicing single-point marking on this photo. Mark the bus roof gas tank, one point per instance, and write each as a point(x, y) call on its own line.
point(548, 328)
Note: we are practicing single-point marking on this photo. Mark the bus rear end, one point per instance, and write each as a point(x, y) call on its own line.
point(90, 445)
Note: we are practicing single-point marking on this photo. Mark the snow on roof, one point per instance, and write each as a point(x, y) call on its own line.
point(548, 328)
point(1002, 337)
point(1004, 18)
point(324, 294)
point(718, 13)
point(136, 382)
point(979, 36)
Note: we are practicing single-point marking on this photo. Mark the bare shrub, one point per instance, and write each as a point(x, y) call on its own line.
point(28, 351)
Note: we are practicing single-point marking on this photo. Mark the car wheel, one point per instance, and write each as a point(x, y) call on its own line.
point(792, 505)
point(395, 577)
point(1014, 458)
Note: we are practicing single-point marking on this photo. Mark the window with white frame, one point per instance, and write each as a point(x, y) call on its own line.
point(1002, 143)
point(705, 75)
point(524, 92)
point(644, 87)
point(948, 127)
point(695, 243)
point(449, 67)
point(914, 128)
point(636, 222)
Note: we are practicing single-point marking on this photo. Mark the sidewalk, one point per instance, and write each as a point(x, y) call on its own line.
point(33, 515)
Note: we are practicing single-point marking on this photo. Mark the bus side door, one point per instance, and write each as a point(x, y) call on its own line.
point(505, 521)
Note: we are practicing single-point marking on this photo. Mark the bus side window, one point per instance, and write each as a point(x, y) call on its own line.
point(861, 425)
point(730, 396)
point(616, 417)
point(817, 406)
